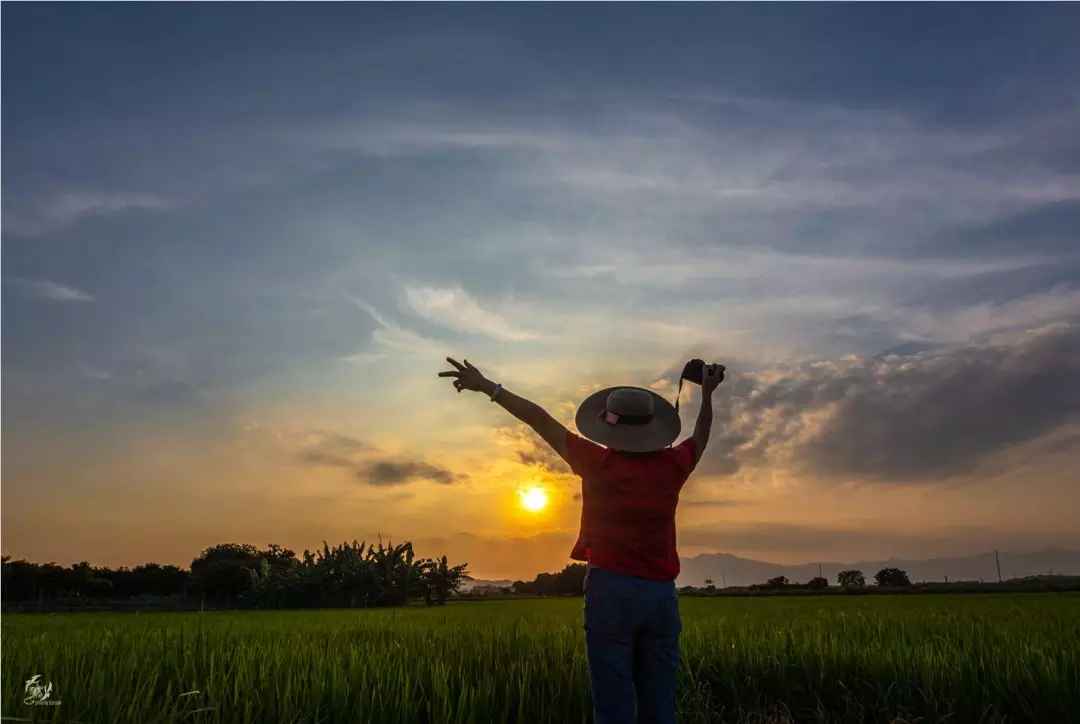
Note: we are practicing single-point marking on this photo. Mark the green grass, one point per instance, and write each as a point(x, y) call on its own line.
point(1009, 658)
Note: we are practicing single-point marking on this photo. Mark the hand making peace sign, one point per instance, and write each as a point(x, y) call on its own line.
point(466, 377)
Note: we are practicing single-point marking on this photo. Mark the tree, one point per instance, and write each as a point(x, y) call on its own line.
point(84, 581)
point(395, 569)
point(892, 578)
point(224, 571)
point(777, 582)
point(817, 583)
point(440, 578)
point(149, 579)
point(851, 579)
point(570, 581)
point(278, 556)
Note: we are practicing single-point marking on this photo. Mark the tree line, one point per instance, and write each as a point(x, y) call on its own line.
point(570, 581)
point(242, 575)
point(885, 578)
point(888, 581)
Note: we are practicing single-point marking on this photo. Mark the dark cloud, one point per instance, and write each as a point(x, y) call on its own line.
point(392, 472)
point(341, 451)
point(901, 418)
point(531, 449)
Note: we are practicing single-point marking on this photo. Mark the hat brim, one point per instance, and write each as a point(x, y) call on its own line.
point(658, 434)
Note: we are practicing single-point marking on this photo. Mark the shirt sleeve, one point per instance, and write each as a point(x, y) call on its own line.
point(582, 454)
point(685, 455)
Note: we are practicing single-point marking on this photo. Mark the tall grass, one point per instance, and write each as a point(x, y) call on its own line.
point(873, 659)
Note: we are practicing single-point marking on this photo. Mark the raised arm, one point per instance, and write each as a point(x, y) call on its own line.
point(714, 375)
point(467, 377)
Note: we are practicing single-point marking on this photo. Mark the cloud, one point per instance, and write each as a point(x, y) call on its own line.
point(1046, 227)
point(334, 450)
point(361, 459)
point(391, 337)
point(53, 291)
point(392, 472)
point(154, 374)
point(918, 418)
point(455, 308)
point(66, 209)
point(651, 265)
point(530, 449)
point(942, 323)
point(661, 157)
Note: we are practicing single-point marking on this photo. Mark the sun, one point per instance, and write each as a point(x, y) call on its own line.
point(533, 499)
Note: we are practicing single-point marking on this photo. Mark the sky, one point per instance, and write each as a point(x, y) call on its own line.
point(239, 241)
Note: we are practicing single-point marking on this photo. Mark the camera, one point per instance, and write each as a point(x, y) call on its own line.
point(694, 371)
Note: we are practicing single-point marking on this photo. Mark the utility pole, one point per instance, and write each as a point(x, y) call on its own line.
point(998, 562)
point(723, 579)
point(819, 571)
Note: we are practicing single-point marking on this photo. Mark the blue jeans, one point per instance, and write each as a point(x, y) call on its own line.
point(632, 629)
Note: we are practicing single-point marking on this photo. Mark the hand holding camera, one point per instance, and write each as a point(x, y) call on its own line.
point(708, 376)
point(714, 375)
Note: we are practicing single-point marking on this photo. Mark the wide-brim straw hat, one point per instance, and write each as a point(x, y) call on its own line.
point(630, 419)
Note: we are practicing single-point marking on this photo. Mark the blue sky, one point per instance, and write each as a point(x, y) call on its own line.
point(239, 239)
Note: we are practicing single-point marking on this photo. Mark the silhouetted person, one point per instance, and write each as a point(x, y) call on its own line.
point(630, 488)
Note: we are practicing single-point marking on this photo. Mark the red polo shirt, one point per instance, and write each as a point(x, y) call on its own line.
point(628, 506)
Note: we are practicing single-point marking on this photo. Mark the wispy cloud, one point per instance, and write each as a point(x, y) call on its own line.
point(392, 338)
point(732, 156)
point(652, 265)
point(455, 308)
point(53, 291)
point(68, 208)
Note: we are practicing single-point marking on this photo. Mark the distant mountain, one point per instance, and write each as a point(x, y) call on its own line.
point(724, 568)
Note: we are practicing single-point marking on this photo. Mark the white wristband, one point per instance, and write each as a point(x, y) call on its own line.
point(495, 392)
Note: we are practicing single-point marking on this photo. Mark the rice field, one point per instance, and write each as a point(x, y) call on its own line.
point(1006, 658)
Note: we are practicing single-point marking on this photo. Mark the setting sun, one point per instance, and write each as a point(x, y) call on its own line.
point(534, 499)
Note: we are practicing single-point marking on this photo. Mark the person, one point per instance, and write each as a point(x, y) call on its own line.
point(631, 475)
